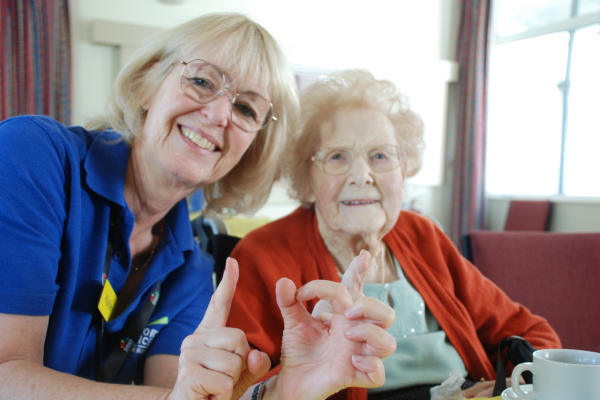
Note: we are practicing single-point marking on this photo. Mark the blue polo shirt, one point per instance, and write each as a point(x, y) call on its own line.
point(57, 188)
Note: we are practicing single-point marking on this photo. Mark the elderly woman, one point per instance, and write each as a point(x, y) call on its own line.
point(101, 277)
point(357, 143)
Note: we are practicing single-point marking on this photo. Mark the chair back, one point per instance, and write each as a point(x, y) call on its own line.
point(213, 237)
point(555, 275)
point(524, 215)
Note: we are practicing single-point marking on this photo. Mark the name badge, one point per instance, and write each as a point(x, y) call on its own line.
point(108, 301)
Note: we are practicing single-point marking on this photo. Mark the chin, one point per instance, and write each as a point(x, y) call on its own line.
point(364, 227)
point(190, 176)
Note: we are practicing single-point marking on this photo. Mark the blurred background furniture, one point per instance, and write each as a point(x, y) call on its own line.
point(240, 225)
point(212, 234)
point(555, 275)
point(525, 215)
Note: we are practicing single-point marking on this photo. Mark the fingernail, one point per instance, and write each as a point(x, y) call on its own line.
point(299, 294)
point(348, 313)
point(362, 251)
point(357, 358)
point(348, 333)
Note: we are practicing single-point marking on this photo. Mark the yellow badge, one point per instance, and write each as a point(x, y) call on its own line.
point(108, 301)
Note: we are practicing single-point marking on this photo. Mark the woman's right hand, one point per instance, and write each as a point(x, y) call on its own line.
point(216, 362)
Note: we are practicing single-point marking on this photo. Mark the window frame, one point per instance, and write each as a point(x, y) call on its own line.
point(570, 26)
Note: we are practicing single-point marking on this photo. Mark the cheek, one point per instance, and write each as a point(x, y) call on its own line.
point(327, 192)
point(393, 192)
point(160, 121)
point(239, 143)
point(244, 143)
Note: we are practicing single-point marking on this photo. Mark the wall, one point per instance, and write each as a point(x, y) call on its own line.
point(408, 42)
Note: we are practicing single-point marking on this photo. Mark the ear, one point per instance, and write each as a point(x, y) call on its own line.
point(310, 195)
point(311, 198)
point(403, 167)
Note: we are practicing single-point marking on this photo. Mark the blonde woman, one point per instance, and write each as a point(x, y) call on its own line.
point(102, 278)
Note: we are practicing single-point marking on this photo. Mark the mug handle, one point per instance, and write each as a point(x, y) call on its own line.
point(514, 380)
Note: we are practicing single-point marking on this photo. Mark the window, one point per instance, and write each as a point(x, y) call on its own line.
point(544, 99)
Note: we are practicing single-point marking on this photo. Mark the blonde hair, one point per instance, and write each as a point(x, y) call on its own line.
point(349, 89)
point(246, 47)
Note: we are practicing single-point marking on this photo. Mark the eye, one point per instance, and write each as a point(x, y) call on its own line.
point(245, 110)
point(380, 156)
point(336, 156)
point(203, 83)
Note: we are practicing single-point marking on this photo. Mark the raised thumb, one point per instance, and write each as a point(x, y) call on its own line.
point(291, 309)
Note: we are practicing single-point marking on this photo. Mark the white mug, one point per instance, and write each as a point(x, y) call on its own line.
point(561, 374)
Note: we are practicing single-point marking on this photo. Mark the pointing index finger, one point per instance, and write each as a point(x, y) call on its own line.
point(354, 277)
point(217, 312)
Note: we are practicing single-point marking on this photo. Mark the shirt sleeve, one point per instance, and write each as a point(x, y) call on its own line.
point(32, 215)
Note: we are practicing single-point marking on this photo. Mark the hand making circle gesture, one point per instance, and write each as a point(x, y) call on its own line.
point(342, 346)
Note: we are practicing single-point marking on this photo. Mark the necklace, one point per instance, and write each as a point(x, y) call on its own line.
point(162, 225)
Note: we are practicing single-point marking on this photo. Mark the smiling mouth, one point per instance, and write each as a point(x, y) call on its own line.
point(197, 139)
point(358, 202)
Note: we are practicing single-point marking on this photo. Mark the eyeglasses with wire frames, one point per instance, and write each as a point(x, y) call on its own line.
point(337, 161)
point(203, 83)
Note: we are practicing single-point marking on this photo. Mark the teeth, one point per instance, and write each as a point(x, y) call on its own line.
point(197, 139)
point(357, 202)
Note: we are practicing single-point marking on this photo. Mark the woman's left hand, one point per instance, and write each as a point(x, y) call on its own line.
point(341, 348)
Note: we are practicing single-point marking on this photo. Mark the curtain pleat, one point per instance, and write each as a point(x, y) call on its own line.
point(35, 59)
point(468, 188)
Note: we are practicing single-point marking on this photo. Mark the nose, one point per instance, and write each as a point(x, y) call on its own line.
point(218, 111)
point(360, 173)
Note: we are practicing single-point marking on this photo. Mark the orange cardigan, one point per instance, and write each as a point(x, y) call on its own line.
point(475, 314)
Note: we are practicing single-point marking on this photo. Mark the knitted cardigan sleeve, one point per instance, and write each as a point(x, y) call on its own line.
point(474, 312)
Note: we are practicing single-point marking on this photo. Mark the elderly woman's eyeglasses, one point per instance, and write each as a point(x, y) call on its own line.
point(337, 161)
point(203, 83)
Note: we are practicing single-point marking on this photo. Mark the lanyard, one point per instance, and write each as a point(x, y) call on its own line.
point(132, 332)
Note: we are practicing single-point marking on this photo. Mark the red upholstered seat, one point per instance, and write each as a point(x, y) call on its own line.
point(525, 215)
point(555, 275)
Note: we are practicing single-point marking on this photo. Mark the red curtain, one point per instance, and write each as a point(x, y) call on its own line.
point(468, 187)
point(35, 58)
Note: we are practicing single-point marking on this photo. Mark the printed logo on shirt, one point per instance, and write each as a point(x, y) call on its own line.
point(149, 333)
point(154, 297)
point(126, 344)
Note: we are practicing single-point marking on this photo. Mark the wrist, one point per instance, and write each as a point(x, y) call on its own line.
point(168, 395)
point(272, 388)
